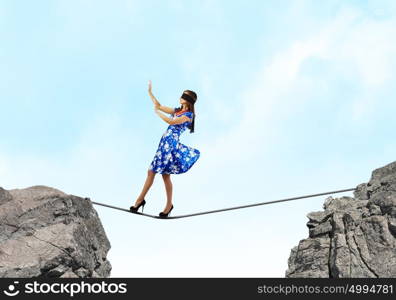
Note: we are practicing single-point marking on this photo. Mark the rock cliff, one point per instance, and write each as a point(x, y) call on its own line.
point(353, 236)
point(47, 233)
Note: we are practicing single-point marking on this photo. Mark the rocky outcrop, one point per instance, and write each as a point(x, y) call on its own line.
point(47, 233)
point(353, 236)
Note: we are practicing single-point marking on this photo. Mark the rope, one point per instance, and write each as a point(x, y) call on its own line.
point(223, 209)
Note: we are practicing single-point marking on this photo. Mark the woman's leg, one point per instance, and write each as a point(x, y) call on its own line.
point(146, 187)
point(168, 187)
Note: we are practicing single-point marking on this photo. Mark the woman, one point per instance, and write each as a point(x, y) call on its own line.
point(171, 157)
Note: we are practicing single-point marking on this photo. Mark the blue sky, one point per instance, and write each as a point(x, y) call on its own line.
point(294, 98)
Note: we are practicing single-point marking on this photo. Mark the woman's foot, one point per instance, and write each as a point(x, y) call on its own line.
point(138, 201)
point(167, 211)
point(168, 207)
point(137, 205)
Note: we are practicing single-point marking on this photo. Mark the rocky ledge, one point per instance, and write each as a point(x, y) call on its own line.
point(353, 236)
point(47, 233)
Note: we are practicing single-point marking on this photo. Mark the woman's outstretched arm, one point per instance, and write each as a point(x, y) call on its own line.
point(166, 109)
point(179, 120)
point(158, 105)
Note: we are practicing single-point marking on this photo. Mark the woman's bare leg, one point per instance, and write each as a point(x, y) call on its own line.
point(146, 187)
point(168, 187)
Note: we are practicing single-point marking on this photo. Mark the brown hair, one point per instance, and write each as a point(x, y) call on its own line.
point(190, 107)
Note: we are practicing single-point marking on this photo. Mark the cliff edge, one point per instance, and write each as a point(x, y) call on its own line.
point(47, 233)
point(353, 236)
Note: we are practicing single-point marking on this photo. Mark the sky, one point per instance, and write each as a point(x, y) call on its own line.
point(294, 98)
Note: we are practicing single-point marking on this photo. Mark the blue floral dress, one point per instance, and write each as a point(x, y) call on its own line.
point(173, 157)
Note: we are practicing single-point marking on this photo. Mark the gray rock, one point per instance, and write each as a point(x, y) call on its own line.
point(47, 233)
point(353, 236)
point(4, 196)
point(310, 258)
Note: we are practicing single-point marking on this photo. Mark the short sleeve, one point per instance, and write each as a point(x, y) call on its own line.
point(189, 114)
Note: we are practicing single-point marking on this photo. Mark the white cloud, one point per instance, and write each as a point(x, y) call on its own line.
point(361, 49)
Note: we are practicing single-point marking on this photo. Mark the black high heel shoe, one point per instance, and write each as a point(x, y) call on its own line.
point(163, 215)
point(135, 209)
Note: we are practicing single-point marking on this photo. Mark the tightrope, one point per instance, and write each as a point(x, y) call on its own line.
point(223, 209)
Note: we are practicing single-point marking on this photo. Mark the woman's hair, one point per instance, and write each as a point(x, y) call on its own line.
point(190, 107)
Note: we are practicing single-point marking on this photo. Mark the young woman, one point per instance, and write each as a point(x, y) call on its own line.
point(172, 157)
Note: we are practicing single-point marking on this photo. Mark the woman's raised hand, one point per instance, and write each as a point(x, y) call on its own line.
point(155, 101)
